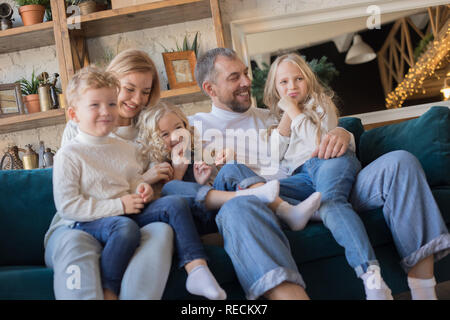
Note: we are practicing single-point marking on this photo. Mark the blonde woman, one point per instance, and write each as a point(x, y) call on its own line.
point(293, 89)
point(73, 254)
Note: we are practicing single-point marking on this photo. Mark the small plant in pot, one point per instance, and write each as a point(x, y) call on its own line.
point(32, 11)
point(30, 92)
point(88, 6)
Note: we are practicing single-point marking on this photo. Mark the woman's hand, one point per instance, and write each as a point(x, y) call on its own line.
point(202, 172)
point(334, 144)
point(160, 172)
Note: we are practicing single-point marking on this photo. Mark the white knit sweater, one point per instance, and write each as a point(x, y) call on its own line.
point(303, 142)
point(225, 128)
point(90, 174)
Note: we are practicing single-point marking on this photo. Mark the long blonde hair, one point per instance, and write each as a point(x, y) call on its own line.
point(151, 146)
point(317, 94)
point(134, 60)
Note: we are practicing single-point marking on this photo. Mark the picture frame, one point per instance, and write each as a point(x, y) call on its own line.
point(180, 68)
point(11, 102)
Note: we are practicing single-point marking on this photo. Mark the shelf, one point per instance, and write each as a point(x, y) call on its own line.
point(143, 16)
point(27, 37)
point(183, 95)
point(32, 120)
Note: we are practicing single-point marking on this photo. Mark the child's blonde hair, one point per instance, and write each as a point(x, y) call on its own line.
point(134, 60)
point(151, 146)
point(89, 77)
point(317, 94)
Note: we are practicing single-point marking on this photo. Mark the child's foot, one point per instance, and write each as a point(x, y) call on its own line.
point(201, 282)
point(296, 217)
point(422, 289)
point(267, 193)
point(374, 285)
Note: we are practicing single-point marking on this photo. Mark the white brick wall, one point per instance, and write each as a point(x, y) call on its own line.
point(15, 65)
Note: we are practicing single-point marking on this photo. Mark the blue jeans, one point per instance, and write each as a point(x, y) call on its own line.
point(334, 178)
point(173, 210)
point(257, 247)
point(71, 253)
point(397, 183)
point(119, 237)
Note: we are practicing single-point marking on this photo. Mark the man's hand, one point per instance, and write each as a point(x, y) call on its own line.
point(334, 144)
point(160, 172)
point(132, 203)
point(145, 191)
point(202, 172)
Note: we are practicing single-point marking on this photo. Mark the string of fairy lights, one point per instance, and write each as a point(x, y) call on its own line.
point(435, 57)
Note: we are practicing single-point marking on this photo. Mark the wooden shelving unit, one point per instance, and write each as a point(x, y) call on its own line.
point(183, 95)
point(29, 37)
point(32, 120)
point(70, 44)
point(143, 16)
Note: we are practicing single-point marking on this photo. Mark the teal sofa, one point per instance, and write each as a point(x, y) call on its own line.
point(26, 209)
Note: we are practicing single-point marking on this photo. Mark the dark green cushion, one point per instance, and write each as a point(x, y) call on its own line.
point(355, 126)
point(26, 282)
point(427, 137)
point(26, 209)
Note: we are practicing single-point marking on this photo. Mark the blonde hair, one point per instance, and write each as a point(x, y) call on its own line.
point(317, 94)
point(134, 60)
point(151, 146)
point(87, 78)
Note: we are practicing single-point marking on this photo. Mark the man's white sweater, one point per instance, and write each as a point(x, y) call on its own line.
point(90, 174)
point(247, 134)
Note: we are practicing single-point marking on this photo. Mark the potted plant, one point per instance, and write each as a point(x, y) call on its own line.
point(180, 64)
point(88, 6)
point(32, 11)
point(30, 92)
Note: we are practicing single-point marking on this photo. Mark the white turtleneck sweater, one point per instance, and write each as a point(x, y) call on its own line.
point(125, 133)
point(247, 134)
point(90, 174)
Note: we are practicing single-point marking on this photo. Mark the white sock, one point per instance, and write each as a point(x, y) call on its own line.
point(422, 289)
point(374, 285)
point(267, 193)
point(201, 282)
point(296, 217)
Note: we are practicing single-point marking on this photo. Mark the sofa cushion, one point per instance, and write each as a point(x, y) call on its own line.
point(26, 282)
point(427, 137)
point(354, 125)
point(26, 209)
point(442, 196)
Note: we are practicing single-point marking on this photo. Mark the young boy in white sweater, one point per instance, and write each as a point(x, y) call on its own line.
point(98, 188)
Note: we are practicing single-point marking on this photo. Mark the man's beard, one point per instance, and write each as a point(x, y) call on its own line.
point(235, 105)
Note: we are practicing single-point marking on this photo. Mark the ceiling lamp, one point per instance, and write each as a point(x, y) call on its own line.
point(360, 52)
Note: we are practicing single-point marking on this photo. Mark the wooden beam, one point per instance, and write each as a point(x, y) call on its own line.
point(408, 41)
point(217, 21)
point(433, 26)
point(62, 42)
